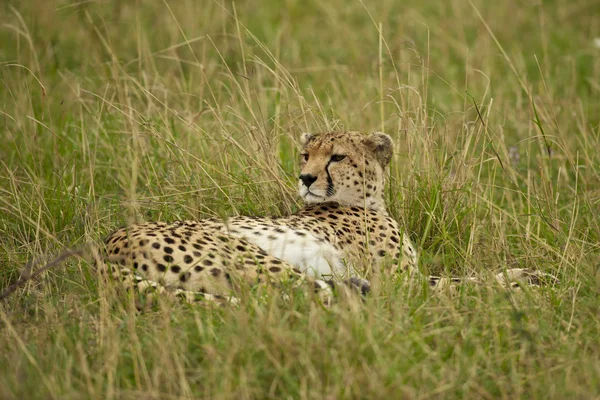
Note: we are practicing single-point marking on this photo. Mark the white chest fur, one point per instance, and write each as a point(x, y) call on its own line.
point(298, 247)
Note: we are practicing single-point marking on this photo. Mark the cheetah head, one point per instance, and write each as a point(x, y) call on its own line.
point(346, 167)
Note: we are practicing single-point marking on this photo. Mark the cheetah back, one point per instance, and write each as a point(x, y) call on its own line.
point(193, 256)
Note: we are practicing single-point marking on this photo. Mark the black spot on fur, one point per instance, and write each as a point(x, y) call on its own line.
point(184, 277)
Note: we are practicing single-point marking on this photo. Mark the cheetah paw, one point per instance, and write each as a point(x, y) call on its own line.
point(362, 286)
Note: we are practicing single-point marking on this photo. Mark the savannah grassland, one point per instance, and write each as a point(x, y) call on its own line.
point(113, 112)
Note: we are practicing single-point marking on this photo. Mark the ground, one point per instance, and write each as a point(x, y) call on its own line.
point(117, 112)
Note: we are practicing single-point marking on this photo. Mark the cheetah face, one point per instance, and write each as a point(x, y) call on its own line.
point(346, 167)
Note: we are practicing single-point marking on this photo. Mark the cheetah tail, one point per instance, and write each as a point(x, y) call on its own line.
point(510, 278)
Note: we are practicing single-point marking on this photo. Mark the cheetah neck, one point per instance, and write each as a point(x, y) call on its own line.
point(377, 207)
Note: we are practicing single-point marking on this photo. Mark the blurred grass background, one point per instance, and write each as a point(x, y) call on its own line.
point(114, 112)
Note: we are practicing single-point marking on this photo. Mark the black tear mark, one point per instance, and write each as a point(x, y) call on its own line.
point(330, 189)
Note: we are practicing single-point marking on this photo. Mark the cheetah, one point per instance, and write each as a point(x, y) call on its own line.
point(343, 234)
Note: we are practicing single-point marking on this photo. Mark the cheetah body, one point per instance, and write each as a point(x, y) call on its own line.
point(342, 232)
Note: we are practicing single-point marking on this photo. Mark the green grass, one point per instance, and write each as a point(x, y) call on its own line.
point(114, 112)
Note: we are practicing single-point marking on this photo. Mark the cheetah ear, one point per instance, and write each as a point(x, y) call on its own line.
point(382, 145)
point(305, 138)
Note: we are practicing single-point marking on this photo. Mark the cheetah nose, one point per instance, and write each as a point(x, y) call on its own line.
point(308, 179)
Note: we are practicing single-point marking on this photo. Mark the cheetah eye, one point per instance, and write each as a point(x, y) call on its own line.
point(337, 157)
point(304, 157)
